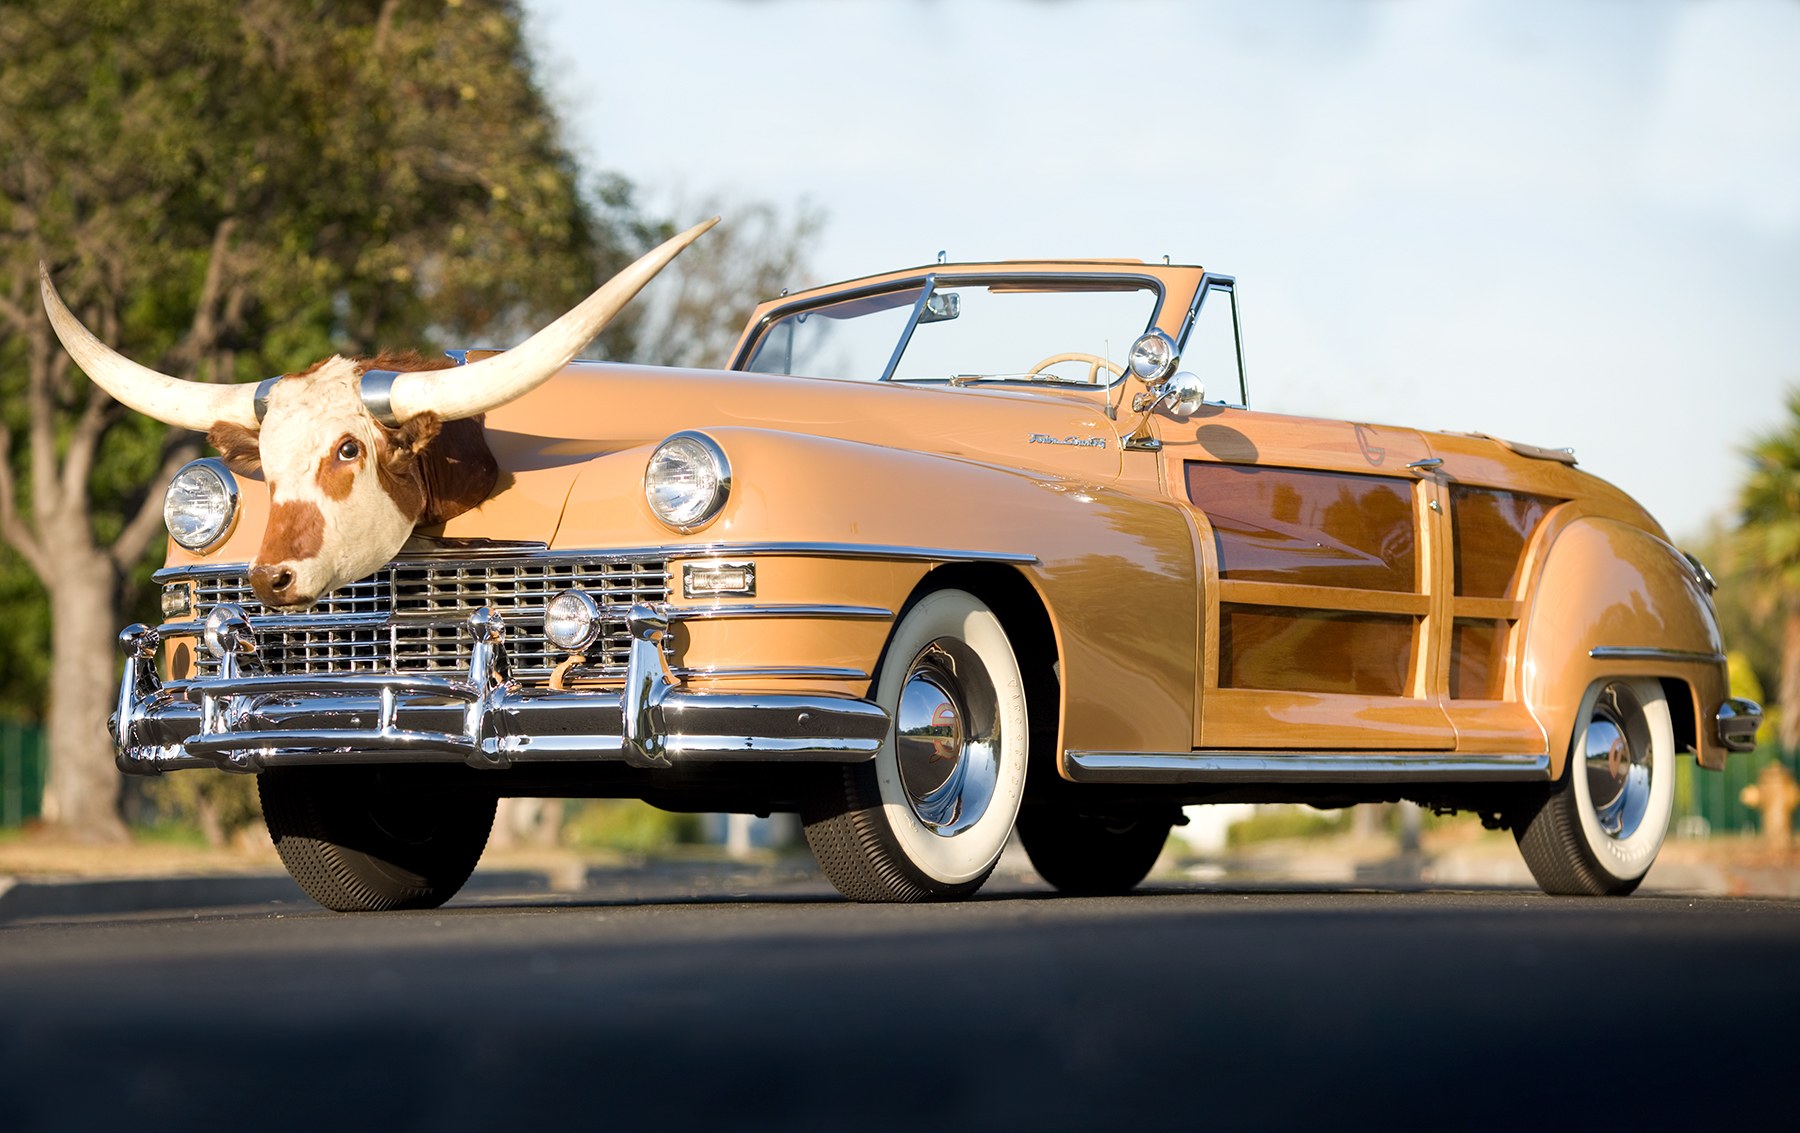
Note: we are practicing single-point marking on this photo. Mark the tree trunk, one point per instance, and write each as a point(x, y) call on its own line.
point(81, 797)
point(1789, 698)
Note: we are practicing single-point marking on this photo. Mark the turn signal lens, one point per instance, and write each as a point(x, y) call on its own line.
point(709, 580)
point(177, 601)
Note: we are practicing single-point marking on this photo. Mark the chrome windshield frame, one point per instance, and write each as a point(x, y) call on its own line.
point(1228, 283)
point(929, 282)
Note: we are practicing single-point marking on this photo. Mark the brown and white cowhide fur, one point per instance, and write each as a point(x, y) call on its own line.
point(345, 491)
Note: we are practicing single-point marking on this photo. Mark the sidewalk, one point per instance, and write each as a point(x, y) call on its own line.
point(1471, 857)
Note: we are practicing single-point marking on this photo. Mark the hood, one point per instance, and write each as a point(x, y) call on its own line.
point(545, 440)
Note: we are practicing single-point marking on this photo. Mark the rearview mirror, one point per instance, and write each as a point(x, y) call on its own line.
point(941, 307)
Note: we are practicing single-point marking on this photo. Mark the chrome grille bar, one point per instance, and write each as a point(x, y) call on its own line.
point(410, 616)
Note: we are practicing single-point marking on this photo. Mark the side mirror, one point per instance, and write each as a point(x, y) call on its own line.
point(1181, 391)
point(1184, 391)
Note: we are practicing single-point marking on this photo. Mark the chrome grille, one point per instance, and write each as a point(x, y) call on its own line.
point(410, 617)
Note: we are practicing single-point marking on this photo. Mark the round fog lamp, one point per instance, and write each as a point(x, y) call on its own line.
point(201, 505)
point(1153, 356)
point(572, 621)
point(687, 481)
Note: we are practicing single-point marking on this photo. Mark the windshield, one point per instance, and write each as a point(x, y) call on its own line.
point(966, 331)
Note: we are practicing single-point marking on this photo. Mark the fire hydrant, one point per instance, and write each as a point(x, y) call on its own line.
point(1776, 795)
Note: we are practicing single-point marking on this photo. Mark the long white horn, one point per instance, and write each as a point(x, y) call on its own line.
point(480, 386)
point(189, 405)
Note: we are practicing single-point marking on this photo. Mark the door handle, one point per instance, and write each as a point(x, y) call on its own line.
point(1429, 464)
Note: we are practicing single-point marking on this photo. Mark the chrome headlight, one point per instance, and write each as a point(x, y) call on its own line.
point(1153, 356)
point(201, 506)
point(687, 481)
point(572, 620)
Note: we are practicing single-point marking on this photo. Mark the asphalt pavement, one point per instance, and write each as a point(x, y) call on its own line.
point(709, 1000)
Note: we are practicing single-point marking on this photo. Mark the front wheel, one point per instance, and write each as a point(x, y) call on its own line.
point(927, 819)
point(1599, 827)
point(361, 839)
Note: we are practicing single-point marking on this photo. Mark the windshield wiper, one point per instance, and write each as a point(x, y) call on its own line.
point(1038, 376)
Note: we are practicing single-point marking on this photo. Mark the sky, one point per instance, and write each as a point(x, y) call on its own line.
point(1572, 223)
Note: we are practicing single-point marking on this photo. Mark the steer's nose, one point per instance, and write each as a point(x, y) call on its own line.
point(274, 584)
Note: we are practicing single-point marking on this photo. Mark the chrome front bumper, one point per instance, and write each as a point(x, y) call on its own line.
point(242, 721)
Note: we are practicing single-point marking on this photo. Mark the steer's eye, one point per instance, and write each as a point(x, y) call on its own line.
point(349, 450)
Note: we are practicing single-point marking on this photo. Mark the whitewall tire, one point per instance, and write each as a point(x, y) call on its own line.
point(929, 817)
point(1598, 829)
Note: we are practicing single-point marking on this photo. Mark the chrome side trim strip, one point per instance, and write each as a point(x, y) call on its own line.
point(900, 552)
point(841, 551)
point(1639, 653)
point(782, 610)
point(1300, 767)
point(814, 672)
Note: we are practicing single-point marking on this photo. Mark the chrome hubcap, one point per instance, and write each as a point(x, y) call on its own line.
point(1618, 763)
point(947, 737)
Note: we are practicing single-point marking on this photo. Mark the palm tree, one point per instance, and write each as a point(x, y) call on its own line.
point(1769, 533)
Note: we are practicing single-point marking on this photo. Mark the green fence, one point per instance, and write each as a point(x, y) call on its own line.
point(21, 772)
point(1713, 795)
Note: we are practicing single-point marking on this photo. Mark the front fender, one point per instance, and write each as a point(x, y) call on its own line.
point(1608, 586)
point(1115, 572)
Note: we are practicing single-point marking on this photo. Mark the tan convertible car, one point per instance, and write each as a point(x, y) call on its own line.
point(944, 554)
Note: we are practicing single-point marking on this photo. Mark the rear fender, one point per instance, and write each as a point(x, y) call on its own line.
point(1611, 587)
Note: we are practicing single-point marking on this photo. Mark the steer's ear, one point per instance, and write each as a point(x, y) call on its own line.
point(408, 441)
point(458, 470)
point(241, 447)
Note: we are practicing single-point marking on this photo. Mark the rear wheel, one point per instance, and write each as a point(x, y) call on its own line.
point(927, 819)
point(1093, 855)
point(1599, 827)
point(361, 839)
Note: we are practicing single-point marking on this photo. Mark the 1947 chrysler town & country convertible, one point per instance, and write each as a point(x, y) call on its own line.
point(945, 553)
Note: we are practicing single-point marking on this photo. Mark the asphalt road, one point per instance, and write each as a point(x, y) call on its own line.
point(781, 1007)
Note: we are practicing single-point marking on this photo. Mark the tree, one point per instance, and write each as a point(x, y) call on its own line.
point(1769, 533)
point(694, 316)
point(227, 192)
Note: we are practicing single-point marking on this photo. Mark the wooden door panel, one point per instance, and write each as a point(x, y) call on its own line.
point(1322, 632)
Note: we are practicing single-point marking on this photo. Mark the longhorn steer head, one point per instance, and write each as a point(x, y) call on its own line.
point(357, 452)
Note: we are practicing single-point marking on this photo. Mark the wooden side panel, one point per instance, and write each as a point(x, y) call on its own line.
point(1478, 658)
point(1277, 648)
point(1490, 529)
point(1307, 527)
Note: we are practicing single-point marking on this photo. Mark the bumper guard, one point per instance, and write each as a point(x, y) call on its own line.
point(1737, 721)
point(245, 721)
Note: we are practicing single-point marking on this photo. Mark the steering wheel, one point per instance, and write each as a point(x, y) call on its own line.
point(1094, 363)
